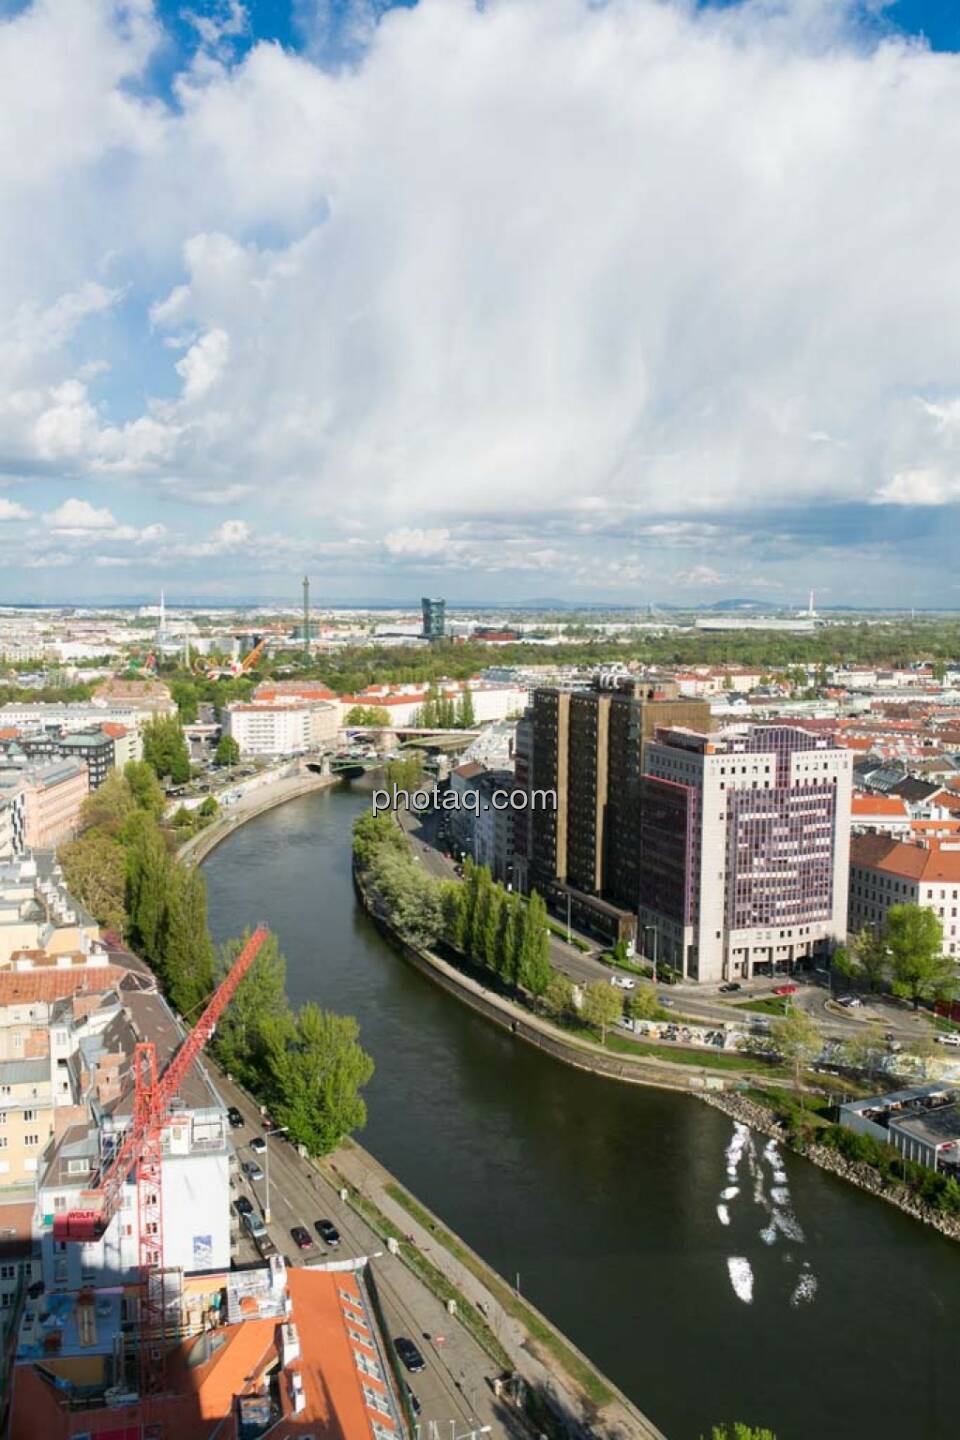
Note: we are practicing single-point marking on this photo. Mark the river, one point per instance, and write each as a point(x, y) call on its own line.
point(710, 1277)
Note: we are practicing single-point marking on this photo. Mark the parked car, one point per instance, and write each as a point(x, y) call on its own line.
point(328, 1233)
point(243, 1205)
point(410, 1355)
point(235, 1118)
point(952, 1039)
point(301, 1237)
point(252, 1170)
point(785, 989)
point(849, 1002)
point(730, 987)
point(254, 1224)
point(258, 1144)
point(265, 1246)
point(623, 982)
point(415, 1405)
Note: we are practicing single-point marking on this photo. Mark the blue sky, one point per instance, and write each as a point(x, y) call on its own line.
point(621, 302)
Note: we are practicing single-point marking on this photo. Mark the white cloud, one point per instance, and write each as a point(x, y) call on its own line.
point(602, 264)
point(698, 577)
point(79, 517)
point(11, 510)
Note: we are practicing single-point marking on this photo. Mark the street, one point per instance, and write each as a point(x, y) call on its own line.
point(454, 1386)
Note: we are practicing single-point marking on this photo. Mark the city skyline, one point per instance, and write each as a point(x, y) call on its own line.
point(660, 313)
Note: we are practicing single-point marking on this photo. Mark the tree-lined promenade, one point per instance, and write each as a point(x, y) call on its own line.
point(306, 1065)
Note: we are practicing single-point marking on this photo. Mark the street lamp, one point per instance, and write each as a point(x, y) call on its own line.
point(277, 1130)
point(647, 928)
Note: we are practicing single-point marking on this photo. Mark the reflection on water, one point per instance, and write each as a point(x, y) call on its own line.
point(713, 1277)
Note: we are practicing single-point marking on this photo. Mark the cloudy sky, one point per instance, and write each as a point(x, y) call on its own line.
point(633, 301)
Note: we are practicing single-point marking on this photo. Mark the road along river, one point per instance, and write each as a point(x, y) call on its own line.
point(709, 1275)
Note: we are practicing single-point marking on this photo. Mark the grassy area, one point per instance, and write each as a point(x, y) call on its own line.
point(774, 1005)
point(584, 1375)
point(432, 1277)
point(561, 933)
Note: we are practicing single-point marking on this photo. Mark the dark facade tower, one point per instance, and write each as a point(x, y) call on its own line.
point(434, 617)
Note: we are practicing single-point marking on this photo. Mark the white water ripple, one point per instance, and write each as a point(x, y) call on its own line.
point(741, 1277)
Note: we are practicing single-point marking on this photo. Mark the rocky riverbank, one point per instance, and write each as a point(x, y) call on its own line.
point(760, 1118)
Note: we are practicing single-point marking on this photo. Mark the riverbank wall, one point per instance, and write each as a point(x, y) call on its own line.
point(198, 847)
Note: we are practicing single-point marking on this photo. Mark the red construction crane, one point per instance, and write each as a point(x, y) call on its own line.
point(141, 1152)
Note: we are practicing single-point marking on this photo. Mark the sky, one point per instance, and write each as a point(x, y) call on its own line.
point(624, 301)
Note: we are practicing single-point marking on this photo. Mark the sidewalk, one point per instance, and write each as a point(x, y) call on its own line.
point(620, 1419)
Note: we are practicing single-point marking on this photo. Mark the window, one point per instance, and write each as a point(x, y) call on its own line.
point(30, 1140)
point(29, 1115)
point(3, 1142)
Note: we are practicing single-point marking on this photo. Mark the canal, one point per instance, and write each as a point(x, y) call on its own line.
point(711, 1277)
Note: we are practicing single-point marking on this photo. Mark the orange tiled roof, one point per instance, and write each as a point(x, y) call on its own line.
point(926, 863)
point(885, 805)
point(27, 986)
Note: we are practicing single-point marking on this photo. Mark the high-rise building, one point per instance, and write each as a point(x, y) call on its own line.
point(744, 850)
point(587, 748)
point(434, 618)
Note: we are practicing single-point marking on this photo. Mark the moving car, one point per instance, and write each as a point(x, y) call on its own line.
point(301, 1237)
point(849, 1002)
point(258, 1144)
point(784, 989)
point(328, 1233)
point(623, 982)
point(252, 1170)
point(949, 1039)
point(410, 1355)
point(730, 987)
point(235, 1118)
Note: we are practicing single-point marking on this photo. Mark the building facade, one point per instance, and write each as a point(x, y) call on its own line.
point(885, 872)
point(53, 795)
point(744, 850)
point(434, 617)
point(293, 728)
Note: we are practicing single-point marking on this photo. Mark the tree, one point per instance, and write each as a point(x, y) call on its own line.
point(796, 1037)
point(866, 962)
point(374, 716)
point(602, 1006)
point(739, 1431)
point(148, 876)
point(866, 1050)
point(465, 718)
point(643, 1004)
point(144, 787)
point(921, 971)
point(95, 869)
point(315, 1069)
point(534, 969)
point(208, 808)
point(108, 808)
point(188, 957)
point(227, 751)
point(260, 997)
point(165, 749)
point(492, 920)
point(558, 996)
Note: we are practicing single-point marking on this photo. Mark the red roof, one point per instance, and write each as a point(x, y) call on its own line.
point(926, 863)
point(26, 986)
point(888, 806)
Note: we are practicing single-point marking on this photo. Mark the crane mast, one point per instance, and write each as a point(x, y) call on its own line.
point(141, 1153)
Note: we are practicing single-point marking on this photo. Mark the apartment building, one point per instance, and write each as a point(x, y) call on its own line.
point(53, 795)
point(885, 871)
point(26, 1117)
point(744, 854)
point(196, 1152)
point(286, 727)
point(37, 912)
point(587, 746)
point(94, 747)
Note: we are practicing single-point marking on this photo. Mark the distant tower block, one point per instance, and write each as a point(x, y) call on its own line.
point(306, 617)
point(434, 617)
point(810, 610)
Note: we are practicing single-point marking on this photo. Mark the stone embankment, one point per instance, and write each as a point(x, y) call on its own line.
point(855, 1172)
point(255, 803)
